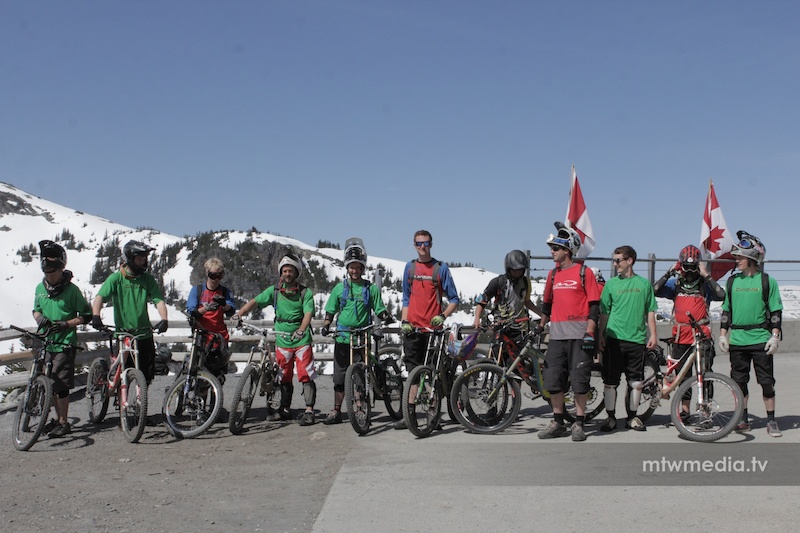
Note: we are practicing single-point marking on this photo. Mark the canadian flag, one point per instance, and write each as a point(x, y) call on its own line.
point(578, 217)
point(716, 240)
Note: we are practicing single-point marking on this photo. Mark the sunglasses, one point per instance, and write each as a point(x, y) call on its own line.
point(425, 244)
point(556, 248)
point(216, 275)
point(619, 260)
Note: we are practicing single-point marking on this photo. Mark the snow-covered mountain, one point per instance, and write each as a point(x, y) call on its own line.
point(26, 219)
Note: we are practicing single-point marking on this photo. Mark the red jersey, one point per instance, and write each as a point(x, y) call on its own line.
point(570, 297)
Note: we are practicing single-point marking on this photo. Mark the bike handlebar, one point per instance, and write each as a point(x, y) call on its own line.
point(42, 337)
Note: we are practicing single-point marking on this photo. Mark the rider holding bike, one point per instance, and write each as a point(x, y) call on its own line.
point(209, 303)
point(425, 280)
point(59, 306)
point(752, 312)
point(129, 289)
point(354, 300)
point(690, 286)
point(294, 307)
point(571, 305)
point(511, 293)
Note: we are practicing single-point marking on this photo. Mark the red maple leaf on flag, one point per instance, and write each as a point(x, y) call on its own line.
point(712, 242)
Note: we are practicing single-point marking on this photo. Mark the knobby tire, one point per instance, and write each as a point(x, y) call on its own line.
point(243, 396)
point(357, 398)
point(134, 416)
point(716, 419)
point(97, 390)
point(189, 414)
point(422, 416)
point(31, 416)
point(483, 402)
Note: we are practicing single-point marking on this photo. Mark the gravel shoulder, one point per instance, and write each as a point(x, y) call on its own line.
point(273, 477)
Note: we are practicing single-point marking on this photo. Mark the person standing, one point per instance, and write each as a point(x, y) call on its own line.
point(130, 289)
point(691, 288)
point(209, 303)
point(571, 305)
point(58, 308)
point(354, 300)
point(294, 307)
point(627, 314)
point(752, 315)
point(425, 281)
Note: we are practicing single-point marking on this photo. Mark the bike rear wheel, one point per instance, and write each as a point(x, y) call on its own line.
point(357, 398)
point(189, 412)
point(392, 382)
point(716, 417)
point(483, 400)
point(133, 406)
point(31, 415)
point(651, 392)
point(422, 416)
point(97, 390)
point(243, 398)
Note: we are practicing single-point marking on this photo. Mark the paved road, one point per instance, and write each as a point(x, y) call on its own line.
point(391, 481)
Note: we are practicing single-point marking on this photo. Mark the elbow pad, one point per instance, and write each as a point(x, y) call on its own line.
point(481, 300)
point(725, 321)
point(594, 312)
point(775, 319)
point(547, 308)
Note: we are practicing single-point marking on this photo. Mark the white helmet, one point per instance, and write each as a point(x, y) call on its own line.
point(749, 246)
point(566, 238)
point(354, 252)
point(293, 260)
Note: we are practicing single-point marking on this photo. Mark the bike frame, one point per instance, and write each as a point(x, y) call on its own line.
point(127, 350)
point(505, 343)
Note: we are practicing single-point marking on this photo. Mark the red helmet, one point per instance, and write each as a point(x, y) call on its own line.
point(689, 259)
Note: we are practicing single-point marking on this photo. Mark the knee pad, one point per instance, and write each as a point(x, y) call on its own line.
point(635, 395)
point(310, 393)
point(743, 386)
point(768, 390)
point(338, 388)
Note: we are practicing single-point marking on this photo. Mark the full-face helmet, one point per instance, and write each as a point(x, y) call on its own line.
point(749, 246)
point(53, 256)
point(516, 260)
point(566, 238)
point(354, 252)
point(133, 249)
point(689, 260)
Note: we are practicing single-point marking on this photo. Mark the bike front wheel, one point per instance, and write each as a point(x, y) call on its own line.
point(190, 410)
point(651, 393)
point(133, 405)
point(716, 416)
point(422, 415)
point(484, 400)
point(357, 398)
point(243, 397)
point(97, 390)
point(31, 415)
point(392, 382)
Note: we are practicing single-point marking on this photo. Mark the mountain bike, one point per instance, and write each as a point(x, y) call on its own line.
point(122, 380)
point(193, 402)
point(717, 403)
point(481, 398)
point(428, 384)
point(369, 377)
point(31, 415)
point(258, 377)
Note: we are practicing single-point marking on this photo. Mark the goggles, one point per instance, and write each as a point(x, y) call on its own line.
point(216, 275)
point(745, 244)
point(558, 240)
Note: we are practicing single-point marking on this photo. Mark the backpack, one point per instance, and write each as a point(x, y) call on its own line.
point(437, 265)
point(163, 359)
point(365, 297)
point(764, 295)
point(276, 289)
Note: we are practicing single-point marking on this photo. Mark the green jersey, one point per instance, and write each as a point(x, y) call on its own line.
point(129, 297)
point(355, 313)
point(627, 301)
point(748, 308)
point(290, 308)
point(70, 303)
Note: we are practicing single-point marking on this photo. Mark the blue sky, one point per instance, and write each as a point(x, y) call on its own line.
point(325, 120)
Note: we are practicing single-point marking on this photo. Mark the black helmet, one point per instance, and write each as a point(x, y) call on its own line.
point(53, 256)
point(516, 259)
point(131, 250)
